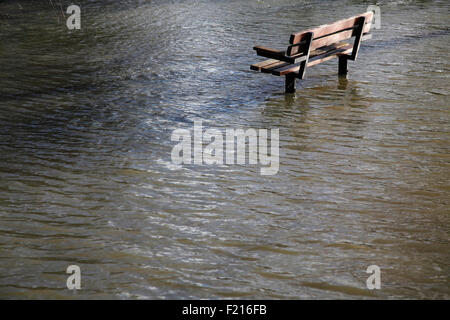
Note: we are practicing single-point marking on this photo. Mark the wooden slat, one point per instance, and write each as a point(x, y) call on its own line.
point(269, 69)
point(257, 66)
point(336, 31)
point(326, 41)
point(331, 28)
point(281, 71)
point(329, 48)
point(329, 56)
point(267, 64)
point(330, 39)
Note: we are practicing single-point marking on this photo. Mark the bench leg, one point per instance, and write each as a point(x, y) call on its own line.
point(343, 65)
point(290, 83)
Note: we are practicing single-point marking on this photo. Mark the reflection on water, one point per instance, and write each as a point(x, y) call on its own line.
point(85, 124)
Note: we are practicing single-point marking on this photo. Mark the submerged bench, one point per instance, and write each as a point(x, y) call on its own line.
point(310, 47)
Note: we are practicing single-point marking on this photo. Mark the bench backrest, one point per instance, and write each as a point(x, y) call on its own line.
point(329, 34)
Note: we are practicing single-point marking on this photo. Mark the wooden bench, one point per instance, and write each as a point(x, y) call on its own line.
point(310, 47)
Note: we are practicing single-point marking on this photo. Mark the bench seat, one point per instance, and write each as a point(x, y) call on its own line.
point(314, 46)
point(281, 68)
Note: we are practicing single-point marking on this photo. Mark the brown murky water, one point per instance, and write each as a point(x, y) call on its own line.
point(86, 176)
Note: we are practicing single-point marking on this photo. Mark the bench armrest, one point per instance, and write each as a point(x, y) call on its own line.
point(278, 55)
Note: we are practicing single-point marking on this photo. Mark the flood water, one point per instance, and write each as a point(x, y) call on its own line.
point(87, 179)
